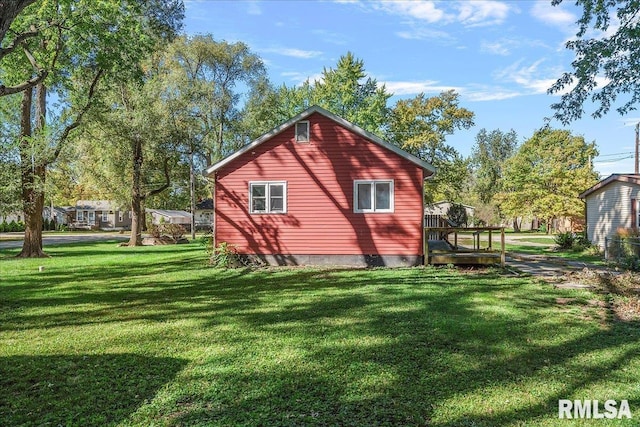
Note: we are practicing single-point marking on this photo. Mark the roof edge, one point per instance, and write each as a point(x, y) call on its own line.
point(306, 113)
point(631, 178)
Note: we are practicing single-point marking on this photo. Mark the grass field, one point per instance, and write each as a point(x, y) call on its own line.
point(151, 336)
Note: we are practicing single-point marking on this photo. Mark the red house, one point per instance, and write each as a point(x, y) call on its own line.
point(320, 190)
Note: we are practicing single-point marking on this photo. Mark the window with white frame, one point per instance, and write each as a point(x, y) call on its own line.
point(80, 216)
point(373, 195)
point(302, 131)
point(104, 216)
point(268, 197)
point(92, 217)
point(120, 216)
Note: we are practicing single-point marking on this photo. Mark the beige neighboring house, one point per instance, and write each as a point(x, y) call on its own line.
point(167, 216)
point(100, 215)
point(611, 204)
point(441, 208)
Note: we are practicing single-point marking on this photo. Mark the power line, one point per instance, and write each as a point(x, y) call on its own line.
point(626, 153)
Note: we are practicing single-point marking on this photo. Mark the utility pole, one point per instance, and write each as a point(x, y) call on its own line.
point(637, 147)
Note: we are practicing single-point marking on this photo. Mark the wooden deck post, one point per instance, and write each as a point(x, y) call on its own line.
point(502, 253)
point(426, 246)
point(490, 241)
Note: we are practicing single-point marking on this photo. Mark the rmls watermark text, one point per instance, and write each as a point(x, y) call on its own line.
point(610, 409)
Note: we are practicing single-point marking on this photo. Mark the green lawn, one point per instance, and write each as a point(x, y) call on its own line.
point(151, 336)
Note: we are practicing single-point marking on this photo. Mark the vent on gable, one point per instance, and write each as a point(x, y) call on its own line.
point(302, 131)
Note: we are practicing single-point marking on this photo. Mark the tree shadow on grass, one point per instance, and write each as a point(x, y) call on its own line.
point(405, 358)
point(80, 390)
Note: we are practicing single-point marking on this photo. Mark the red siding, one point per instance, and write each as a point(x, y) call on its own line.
point(320, 218)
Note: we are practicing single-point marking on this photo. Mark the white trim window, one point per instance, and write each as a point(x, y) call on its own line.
point(268, 197)
point(120, 216)
point(104, 216)
point(373, 196)
point(80, 216)
point(302, 131)
point(91, 218)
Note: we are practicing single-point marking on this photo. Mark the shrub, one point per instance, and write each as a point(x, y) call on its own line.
point(564, 240)
point(175, 231)
point(155, 232)
point(457, 214)
point(569, 240)
point(225, 255)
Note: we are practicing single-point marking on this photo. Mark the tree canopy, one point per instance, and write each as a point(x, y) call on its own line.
point(69, 46)
point(420, 126)
point(488, 155)
point(543, 179)
point(607, 60)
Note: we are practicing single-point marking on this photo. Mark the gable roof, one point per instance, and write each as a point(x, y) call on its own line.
point(629, 177)
point(309, 111)
point(206, 204)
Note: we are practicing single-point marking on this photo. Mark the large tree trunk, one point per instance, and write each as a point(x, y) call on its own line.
point(136, 195)
point(516, 225)
point(9, 10)
point(33, 175)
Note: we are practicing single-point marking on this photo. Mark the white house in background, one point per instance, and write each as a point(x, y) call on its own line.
point(164, 216)
point(204, 213)
point(441, 208)
point(60, 214)
point(611, 204)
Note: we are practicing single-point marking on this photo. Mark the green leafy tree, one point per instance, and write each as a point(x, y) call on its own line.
point(9, 155)
point(219, 67)
point(543, 179)
point(420, 126)
point(488, 155)
point(138, 151)
point(69, 46)
point(457, 214)
point(607, 47)
point(345, 90)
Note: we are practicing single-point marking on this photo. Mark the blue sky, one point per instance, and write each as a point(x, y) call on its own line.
point(501, 56)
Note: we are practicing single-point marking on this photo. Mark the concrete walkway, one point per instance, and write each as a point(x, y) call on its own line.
point(549, 267)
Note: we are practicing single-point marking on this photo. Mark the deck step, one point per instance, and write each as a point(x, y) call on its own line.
point(465, 258)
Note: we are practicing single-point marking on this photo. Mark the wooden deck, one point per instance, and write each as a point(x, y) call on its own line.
point(464, 246)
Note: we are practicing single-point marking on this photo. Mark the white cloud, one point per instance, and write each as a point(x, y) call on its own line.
point(253, 8)
point(424, 33)
point(482, 12)
point(414, 88)
point(553, 15)
point(295, 53)
point(500, 47)
point(490, 94)
point(529, 77)
point(469, 13)
point(421, 10)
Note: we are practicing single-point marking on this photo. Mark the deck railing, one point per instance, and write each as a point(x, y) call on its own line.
point(481, 251)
